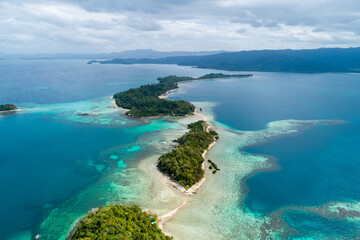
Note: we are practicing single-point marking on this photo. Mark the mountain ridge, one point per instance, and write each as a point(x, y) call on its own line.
point(137, 53)
point(306, 60)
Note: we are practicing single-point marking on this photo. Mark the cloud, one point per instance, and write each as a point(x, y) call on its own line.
point(143, 24)
point(241, 30)
point(116, 25)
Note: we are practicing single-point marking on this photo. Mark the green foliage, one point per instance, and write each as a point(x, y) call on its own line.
point(309, 60)
point(220, 75)
point(118, 222)
point(183, 164)
point(197, 140)
point(212, 132)
point(144, 101)
point(7, 107)
point(213, 165)
point(173, 78)
point(199, 126)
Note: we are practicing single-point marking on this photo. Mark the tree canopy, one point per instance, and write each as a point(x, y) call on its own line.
point(118, 222)
point(184, 163)
point(7, 107)
point(145, 102)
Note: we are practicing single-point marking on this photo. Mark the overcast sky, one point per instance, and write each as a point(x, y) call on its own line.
point(84, 26)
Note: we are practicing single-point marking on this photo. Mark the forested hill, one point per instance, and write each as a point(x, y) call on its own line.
point(307, 61)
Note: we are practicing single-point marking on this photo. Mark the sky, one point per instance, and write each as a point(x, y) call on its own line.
point(104, 26)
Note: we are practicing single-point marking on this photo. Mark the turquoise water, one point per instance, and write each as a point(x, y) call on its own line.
point(313, 224)
point(49, 152)
point(56, 164)
point(311, 168)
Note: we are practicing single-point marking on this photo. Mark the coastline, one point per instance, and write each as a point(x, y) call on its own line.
point(10, 111)
point(155, 108)
point(191, 192)
point(123, 110)
point(184, 194)
point(163, 96)
point(182, 214)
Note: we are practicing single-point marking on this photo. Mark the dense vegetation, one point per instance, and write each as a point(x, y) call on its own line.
point(145, 102)
point(213, 166)
point(221, 75)
point(309, 61)
point(173, 78)
point(7, 107)
point(118, 222)
point(183, 164)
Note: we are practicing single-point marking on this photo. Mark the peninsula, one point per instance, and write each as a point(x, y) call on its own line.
point(7, 107)
point(184, 164)
point(145, 102)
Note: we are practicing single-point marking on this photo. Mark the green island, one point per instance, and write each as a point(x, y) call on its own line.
point(145, 102)
point(184, 163)
point(173, 78)
point(118, 222)
point(7, 107)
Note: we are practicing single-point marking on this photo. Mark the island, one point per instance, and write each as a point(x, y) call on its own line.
point(184, 164)
point(7, 107)
point(118, 222)
point(145, 102)
point(174, 78)
point(320, 60)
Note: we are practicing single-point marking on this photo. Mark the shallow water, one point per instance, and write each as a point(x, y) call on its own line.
point(58, 164)
point(52, 152)
point(309, 168)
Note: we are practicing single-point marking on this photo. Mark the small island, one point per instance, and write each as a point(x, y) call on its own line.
point(7, 107)
point(118, 222)
point(184, 164)
point(173, 78)
point(145, 102)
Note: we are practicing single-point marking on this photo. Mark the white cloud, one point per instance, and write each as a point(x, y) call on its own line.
point(115, 25)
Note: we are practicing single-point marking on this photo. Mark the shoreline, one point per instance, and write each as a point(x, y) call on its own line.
point(169, 215)
point(163, 96)
point(142, 113)
point(15, 110)
point(191, 192)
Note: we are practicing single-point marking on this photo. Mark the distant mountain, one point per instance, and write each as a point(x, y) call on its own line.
point(140, 53)
point(307, 61)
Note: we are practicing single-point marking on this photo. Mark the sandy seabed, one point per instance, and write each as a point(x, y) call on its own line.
point(212, 210)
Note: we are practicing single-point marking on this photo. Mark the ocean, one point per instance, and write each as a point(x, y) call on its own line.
point(57, 164)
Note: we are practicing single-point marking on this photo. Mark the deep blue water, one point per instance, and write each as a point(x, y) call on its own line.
point(250, 103)
point(55, 81)
point(45, 160)
point(317, 166)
